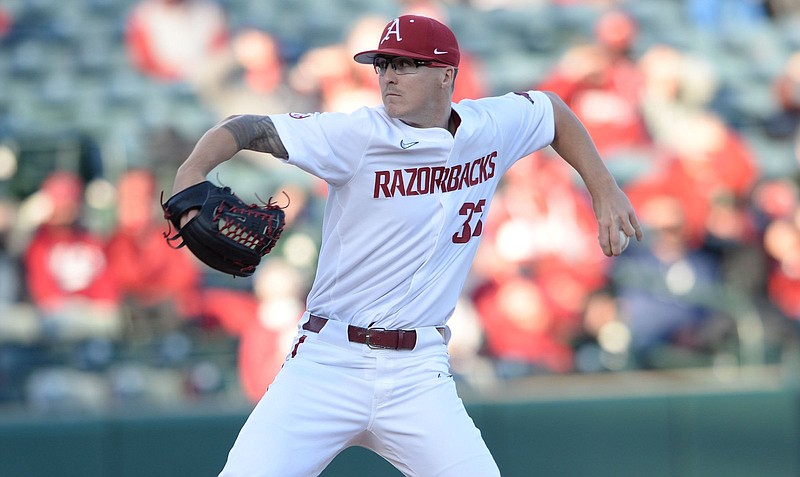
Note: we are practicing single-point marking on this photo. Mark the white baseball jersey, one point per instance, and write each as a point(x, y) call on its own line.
point(406, 205)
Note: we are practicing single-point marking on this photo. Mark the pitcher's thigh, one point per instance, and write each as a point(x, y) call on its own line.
point(431, 435)
point(297, 428)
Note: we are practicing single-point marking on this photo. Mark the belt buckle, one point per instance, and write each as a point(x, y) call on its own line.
point(368, 339)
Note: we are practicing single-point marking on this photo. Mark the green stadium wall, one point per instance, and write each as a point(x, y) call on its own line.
point(743, 434)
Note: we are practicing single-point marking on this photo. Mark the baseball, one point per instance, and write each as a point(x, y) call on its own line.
point(624, 240)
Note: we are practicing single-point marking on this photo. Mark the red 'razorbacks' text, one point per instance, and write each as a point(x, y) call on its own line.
point(428, 180)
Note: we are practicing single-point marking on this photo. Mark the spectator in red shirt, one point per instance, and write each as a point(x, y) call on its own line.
point(519, 327)
point(602, 84)
point(67, 269)
point(156, 281)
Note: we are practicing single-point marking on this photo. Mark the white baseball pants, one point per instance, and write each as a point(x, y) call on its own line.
point(332, 394)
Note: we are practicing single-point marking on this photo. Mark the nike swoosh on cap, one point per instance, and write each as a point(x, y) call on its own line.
point(406, 145)
point(437, 52)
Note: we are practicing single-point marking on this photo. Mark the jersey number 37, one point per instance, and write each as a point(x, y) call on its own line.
point(472, 211)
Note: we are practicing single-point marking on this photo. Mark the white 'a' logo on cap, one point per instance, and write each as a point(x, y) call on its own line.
point(394, 29)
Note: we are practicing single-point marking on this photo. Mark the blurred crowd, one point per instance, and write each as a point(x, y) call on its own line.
point(98, 308)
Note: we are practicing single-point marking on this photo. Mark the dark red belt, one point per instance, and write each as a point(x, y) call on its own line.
point(378, 338)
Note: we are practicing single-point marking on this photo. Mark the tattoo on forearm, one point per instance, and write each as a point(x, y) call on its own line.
point(256, 133)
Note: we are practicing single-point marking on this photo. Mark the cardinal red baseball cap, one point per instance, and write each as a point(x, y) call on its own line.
point(417, 37)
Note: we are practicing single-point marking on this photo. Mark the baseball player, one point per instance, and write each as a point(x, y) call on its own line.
point(410, 183)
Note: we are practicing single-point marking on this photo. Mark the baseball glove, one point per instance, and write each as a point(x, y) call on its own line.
point(227, 234)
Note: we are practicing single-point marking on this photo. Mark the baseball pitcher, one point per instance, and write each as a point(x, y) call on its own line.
point(409, 185)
